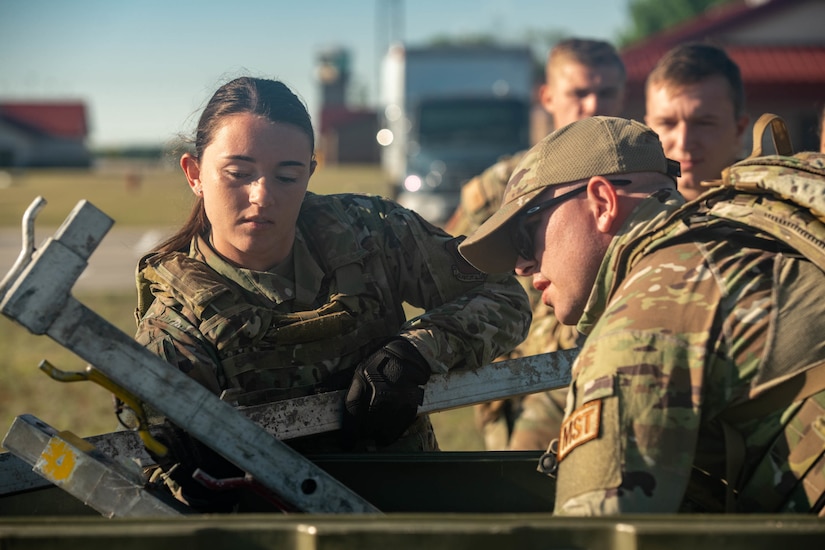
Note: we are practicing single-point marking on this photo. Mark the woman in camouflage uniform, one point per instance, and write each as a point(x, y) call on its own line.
point(272, 292)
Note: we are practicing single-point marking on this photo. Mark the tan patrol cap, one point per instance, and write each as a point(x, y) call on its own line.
point(595, 146)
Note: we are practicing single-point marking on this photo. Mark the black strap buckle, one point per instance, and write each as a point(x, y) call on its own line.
point(548, 463)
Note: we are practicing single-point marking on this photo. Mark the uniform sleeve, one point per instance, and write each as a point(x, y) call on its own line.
point(631, 427)
point(628, 443)
point(470, 318)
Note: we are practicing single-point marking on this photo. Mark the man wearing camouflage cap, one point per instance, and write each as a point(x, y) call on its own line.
point(683, 320)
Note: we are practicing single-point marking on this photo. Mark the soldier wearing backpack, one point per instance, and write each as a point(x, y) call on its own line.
point(700, 386)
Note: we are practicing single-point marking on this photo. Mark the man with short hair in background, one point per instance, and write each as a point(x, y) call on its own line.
point(584, 77)
point(695, 101)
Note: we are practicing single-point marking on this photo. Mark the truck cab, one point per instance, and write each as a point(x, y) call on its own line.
point(450, 113)
point(453, 140)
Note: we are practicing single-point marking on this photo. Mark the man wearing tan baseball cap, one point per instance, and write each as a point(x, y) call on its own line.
point(598, 146)
point(572, 202)
point(686, 310)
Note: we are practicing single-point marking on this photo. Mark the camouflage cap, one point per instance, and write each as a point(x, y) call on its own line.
point(595, 146)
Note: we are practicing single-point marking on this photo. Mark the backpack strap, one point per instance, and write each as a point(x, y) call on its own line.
point(779, 134)
point(777, 189)
point(775, 205)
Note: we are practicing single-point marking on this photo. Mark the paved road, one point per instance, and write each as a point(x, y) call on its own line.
point(111, 266)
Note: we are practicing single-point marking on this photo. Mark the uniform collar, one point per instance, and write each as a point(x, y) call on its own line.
point(297, 279)
point(649, 214)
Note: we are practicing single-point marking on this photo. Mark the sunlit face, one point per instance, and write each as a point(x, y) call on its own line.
point(577, 91)
point(253, 177)
point(698, 127)
point(569, 250)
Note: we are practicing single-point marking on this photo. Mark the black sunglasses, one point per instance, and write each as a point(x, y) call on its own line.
point(524, 232)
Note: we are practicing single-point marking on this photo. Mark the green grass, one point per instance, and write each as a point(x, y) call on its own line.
point(161, 199)
point(144, 197)
point(82, 407)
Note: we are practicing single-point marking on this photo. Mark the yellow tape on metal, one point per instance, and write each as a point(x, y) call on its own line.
point(57, 461)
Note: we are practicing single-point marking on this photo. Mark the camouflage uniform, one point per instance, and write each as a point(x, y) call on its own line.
point(678, 334)
point(531, 422)
point(303, 326)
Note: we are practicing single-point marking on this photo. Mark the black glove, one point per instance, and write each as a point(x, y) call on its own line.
point(385, 393)
point(186, 454)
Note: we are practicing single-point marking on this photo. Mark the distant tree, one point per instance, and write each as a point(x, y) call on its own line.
point(650, 16)
point(449, 40)
point(134, 152)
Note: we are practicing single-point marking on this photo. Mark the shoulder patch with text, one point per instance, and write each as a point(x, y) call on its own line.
point(461, 268)
point(580, 427)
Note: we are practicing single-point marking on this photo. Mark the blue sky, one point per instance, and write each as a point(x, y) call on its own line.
point(145, 68)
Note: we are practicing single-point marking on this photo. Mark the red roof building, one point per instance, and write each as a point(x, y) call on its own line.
point(43, 134)
point(779, 46)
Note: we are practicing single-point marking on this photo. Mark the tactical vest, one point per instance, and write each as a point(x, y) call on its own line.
point(782, 197)
point(265, 355)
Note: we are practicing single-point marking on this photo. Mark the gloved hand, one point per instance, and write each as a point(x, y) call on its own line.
point(385, 393)
point(186, 454)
